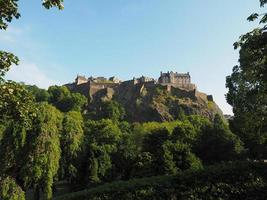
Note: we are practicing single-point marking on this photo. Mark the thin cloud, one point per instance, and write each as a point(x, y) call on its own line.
point(11, 35)
point(30, 73)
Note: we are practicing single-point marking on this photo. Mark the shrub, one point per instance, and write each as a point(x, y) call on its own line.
point(239, 180)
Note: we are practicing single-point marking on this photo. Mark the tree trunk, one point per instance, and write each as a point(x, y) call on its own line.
point(36, 193)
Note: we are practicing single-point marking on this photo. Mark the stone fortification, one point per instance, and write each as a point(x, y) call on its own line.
point(172, 81)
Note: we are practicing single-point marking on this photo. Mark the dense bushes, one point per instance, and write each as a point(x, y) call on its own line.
point(238, 180)
point(217, 143)
point(84, 149)
point(9, 190)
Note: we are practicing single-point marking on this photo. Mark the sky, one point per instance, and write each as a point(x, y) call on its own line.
point(129, 38)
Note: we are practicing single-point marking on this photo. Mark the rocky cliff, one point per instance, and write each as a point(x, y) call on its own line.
point(154, 102)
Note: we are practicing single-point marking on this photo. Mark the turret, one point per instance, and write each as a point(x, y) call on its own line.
point(80, 79)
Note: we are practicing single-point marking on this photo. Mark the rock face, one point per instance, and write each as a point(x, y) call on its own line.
point(153, 102)
point(144, 99)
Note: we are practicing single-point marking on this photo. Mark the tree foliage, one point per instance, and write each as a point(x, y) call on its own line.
point(108, 110)
point(169, 152)
point(44, 151)
point(248, 89)
point(38, 145)
point(9, 10)
point(40, 95)
point(6, 60)
point(217, 143)
point(12, 148)
point(9, 190)
point(64, 100)
point(71, 144)
point(16, 103)
point(102, 138)
point(126, 157)
point(263, 17)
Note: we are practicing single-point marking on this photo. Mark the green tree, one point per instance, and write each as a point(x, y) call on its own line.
point(178, 156)
point(9, 11)
point(9, 190)
point(248, 89)
point(40, 95)
point(43, 154)
point(217, 143)
point(263, 17)
point(16, 103)
point(64, 100)
point(101, 141)
point(168, 153)
point(12, 149)
point(57, 94)
point(125, 158)
point(6, 60)
point(153, 144)
point(71, 144)
point(185, 133)
point(15, 100)
point(199, 122)
point(109, 110)
point(75, 102)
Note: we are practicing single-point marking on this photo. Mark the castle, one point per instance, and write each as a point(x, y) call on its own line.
point(176, 80)
point(90, 86)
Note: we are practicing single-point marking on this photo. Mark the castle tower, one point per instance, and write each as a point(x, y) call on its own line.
point(178, 80)
point(80, 80)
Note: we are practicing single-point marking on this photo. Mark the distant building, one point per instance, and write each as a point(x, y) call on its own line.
point(90, 86)
point(80, 79)
point(179, 80)
point(100, 79)
point(144, 79)
point(114, 79)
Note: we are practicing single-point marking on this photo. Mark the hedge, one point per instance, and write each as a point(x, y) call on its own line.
point(238, 180)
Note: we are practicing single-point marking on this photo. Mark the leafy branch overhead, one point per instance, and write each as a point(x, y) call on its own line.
point(9, 10)
point(247, 88)
point(260, 32)
point(263, 16)
point(6, 60)
point(50, 3)
point(263, 2)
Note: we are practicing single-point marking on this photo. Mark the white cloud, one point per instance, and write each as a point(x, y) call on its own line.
point(30, 73)
point(7, 38)
point(16, 38)
point(11, 35)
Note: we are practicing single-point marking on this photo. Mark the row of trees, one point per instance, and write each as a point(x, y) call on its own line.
point(44, 136)
point(54, 145)
point(248, 88)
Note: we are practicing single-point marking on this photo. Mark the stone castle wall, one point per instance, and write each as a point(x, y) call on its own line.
point(95, 87)
point(91, 86)
point(183, 86)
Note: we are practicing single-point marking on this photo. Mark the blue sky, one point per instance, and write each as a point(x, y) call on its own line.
point(129, 38)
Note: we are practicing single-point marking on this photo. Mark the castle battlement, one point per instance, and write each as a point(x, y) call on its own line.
point(90, 86)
